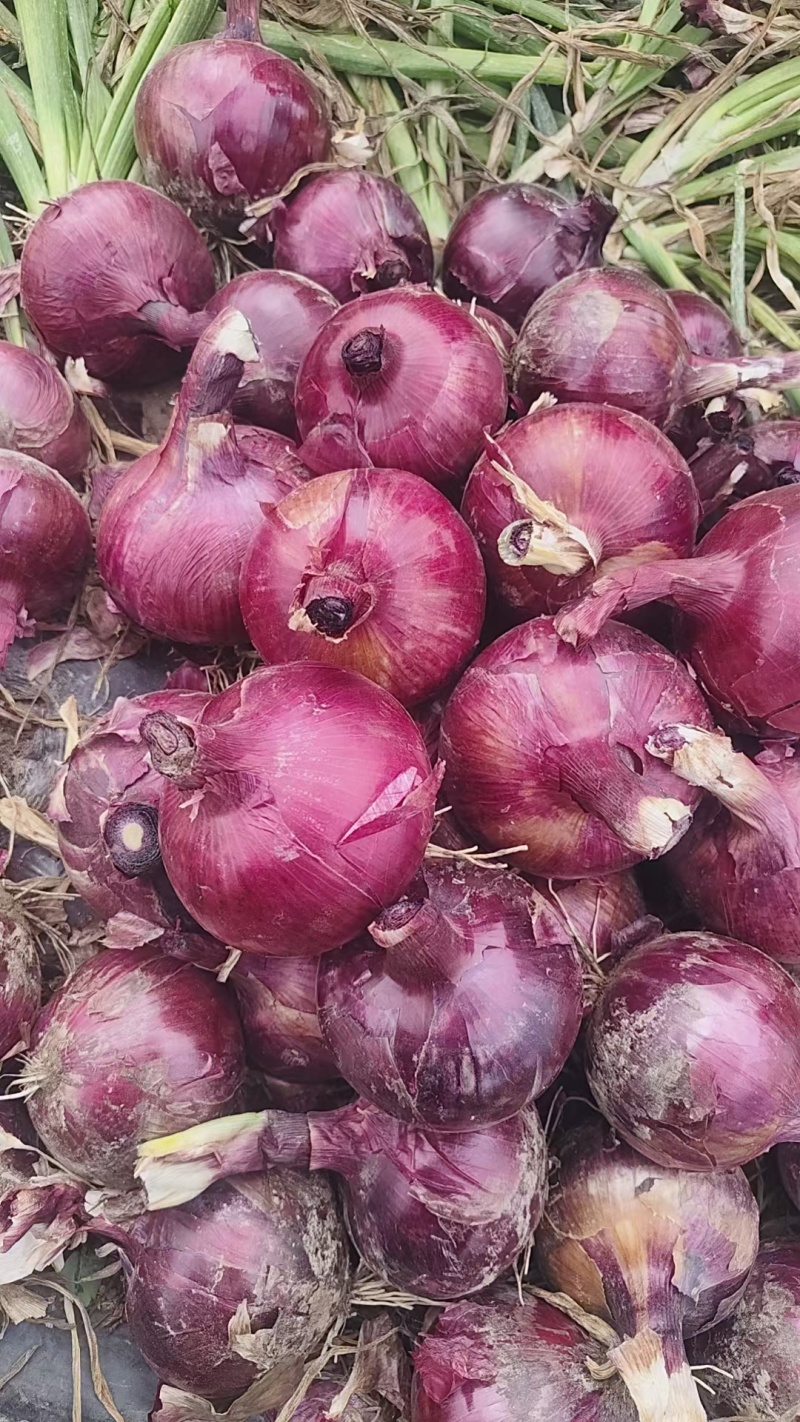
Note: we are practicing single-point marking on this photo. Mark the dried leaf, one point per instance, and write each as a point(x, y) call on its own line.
point(20, 1305)
point(21, 1362)
point(18, 817)
point(68, 711)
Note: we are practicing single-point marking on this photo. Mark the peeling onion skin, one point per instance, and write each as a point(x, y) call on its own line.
point(756, 1353)
point(40, 415)
point(381, 242)
point(624, 490)
point(134, 1044)
point(20, 979)
point(271, 1244)
point(435, 384)
point(285, 312)
point(312, 805)
point(115, 273)
point(389, 554)
point(569, 787)
point(278, 1006)
point(659, 1254)
point(462, 1005)
point(693, 1052)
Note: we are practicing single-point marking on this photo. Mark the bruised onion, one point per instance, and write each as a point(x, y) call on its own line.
point(175, 527)
point(20, 979)
point(352, 232)
point(372, 570)
point(133, 1043)
point(438, 1215)
point(568, 493)
point(546, 748)
point(116, 274)
point(278, 1006)
point(462, 1005)
point(40, 415)
point(660, 1254)
point(400, 379)
point(613, 337)
point(45, 546)
point(311, 802)
point(709, 331)
point(222, 122)
point(693, 1051)
point(285, 312)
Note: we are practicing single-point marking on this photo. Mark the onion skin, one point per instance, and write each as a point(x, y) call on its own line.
point(285, 312)
point(568, 785)
point(708, 329)
point(39, 414)
point(312, 804)
point(613, 488)
point(116, 274)
point(429, 386)
point(389, 556)
point(755, 1352)
point(382, 242)
point(277, 1000)
point(660, 1254)
point(692, 1052)
point(463, 1004)
point(45, 546)
point(596, 912)
point(134, 1043)
point(511, 242)
point(175, 527)
point(20, 980)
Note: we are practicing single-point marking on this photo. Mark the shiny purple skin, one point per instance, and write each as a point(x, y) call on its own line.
point(615, 477)
point(709, 331)
point(461, 1008)
point(274, 1243)
point(39, 414)
point(546, 747)
point(756, 1353)
point(693, 1052)
point(285, 312)
point(278, 1006)
point(115, 273)
point(220, 123)
point(392, 551)
point(441, 383)
point(508, 1361)
point(352, 232)
point(134, 1045)
point(596, 911)
point(789, 1163)
point(511, 242)
point(20, 980)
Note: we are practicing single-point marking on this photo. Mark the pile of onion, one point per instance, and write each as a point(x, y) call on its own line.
point(709, 331)
point(372, 570)
point(39, 413)
point(20, 979)
point(572, 492)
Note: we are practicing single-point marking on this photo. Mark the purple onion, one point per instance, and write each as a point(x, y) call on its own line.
point(596, 912)
point(748, 461)
point(39, 413)
point(709, 331)
point(278, 1006)
point(20, 979)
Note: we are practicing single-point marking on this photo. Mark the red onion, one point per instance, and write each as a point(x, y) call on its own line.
point(463, 1004)
point(571, 492)
point(403, 380)
point(596, 912)
point(352, 232)
point(740, 623)
point(174, 529)
point(660, 1254)
point(546, 748)
point(612, 336)
point(278, 1006)
point(285, 313)
point(515, 1362)
point(693, 1051)
point(312, 802)
point(747, 462)
point(40, 1215)
point(20, 979)
point(133, 1044)
point(45, 543)
point(789, 1162)
point(752, 1358)
point(224, 121)
point(438, 1215)
point(105, 806)
point(40, 415)
point(115, 273)
point(372, 570)
point(709, 331)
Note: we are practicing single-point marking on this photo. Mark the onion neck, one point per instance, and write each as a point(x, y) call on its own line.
point(658, 1378)
point(215, 369)
point(173, 325)
point(703, 378)
point(173, 749)
point(241, 20)
point(422, 944)
point(174, 1169)
point(593, 772)
point(331, 604)
point(545, 538)
point(702, 586)
point(383, 270)
point(364, 354)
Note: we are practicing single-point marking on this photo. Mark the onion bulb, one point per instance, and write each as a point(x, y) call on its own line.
point(39, 413)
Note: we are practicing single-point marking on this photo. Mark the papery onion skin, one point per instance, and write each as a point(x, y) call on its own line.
point(623, 489)
point(462, 1005)
point(754, 1354)
point(389, 556)
point(39, 414)
point(285, 312)
point(312, 804)
point(693, 1050)
point(511, 242)
point(708, 329)
point(426, 389)
point(45, 546)
point(117, 274)
point(569, 786)
point(20, 979)
point(133, 1043)
point(381, 242)
point(278, 1006)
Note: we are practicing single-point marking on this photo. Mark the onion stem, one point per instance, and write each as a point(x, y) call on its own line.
point(45, 39)
point(18, 156)
point(11, 321)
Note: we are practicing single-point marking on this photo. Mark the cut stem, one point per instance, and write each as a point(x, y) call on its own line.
point(659, 1395)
